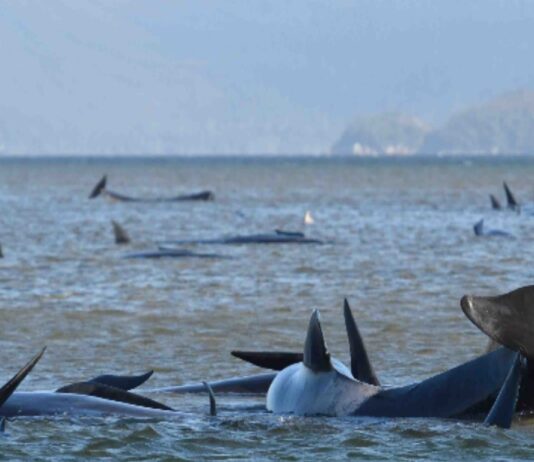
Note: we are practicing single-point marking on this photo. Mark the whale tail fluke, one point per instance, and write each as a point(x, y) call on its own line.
point(7, 390)
point(495, 204)
point(479, 228)
point(121, 236)
point(360, 365)
point(100, 186)
point(510, 198)
point(316, 356)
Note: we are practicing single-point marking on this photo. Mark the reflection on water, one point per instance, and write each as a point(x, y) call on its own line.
point(404, 254)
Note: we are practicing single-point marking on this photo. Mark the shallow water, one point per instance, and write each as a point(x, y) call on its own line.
point(404, 253)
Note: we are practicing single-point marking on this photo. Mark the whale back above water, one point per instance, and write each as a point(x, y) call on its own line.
point(101, 189)
point(479, 230)
point(277, 237)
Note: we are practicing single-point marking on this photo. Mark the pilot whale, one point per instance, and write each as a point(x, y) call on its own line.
point(313, 383)
point(320, 385)
point(479, 230)
point(101, 396)
point(101, 189)
point(279, 236)
point(122, 238)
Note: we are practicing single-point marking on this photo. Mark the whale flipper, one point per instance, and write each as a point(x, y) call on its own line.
point(252, 384)
point(507, 318)
point(213, 403)
point(495, 204)
point(121, 236)
point(510, 198)
point(316, 356)
point(502, 411)
point(360, 365)
point(123, 382)
point(7, 390)
point(100, 186)
point(275, 360)
point(111, 393)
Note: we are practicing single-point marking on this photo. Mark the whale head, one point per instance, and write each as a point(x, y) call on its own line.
point(319, 385)
point(507, 319)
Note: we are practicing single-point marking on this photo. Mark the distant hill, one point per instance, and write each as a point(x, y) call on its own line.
point(504, 125)
point(388, 133)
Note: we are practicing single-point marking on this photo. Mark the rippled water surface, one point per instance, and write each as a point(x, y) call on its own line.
point(403, 253)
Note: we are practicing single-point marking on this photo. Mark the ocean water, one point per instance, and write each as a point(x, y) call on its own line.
point(403, 253)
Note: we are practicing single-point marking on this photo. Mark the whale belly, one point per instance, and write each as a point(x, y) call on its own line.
point(298, 390)
point(51, 403)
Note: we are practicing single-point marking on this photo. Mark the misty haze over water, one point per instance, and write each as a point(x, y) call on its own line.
point(159, 77)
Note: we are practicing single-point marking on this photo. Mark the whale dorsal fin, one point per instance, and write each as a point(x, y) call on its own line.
point(111, 393)
point(316, 356)
point(100, 186)
point(510, 198)
point(121, 236)
point(479, 228)
point(360, 365)
point(495, 204)
point(7, 390)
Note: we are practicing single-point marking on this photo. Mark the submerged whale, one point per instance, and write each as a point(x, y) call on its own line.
point(122, 238)
point(313, 383)
point(100, 189)
point(279, 236)
point(479, 230)
point(166, 252)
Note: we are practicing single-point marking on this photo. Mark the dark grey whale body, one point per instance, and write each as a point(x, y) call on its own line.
point(277, 237)
point(100, 396)
point(100, 189)
point(122, 238)
point(173, 253)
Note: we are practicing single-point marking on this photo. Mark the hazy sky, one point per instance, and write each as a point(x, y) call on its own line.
point(245, 76)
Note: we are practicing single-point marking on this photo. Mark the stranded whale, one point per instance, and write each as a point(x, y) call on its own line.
point(479, 230)
point(100, 189)
point(122, 237)
point(101, 396)
point(320, 385)
point(279, 236)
